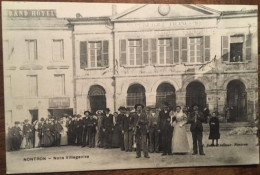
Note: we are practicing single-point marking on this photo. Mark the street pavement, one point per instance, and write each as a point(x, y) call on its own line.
point(233, 150)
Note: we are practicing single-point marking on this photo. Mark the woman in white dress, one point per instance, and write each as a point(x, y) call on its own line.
point(64, 135)
point(37, 139)
point(180, 144)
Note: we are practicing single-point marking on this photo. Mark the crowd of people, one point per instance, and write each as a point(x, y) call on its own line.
point(147, 129)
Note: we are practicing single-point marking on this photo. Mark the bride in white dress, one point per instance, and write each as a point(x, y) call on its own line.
point(64, 135)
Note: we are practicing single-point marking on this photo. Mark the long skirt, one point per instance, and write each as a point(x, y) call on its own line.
point(23, 143)
point(180, 142)
point(47, 140)
point(64, 138)
point(37, 140)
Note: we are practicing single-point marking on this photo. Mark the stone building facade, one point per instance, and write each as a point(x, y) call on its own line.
point(150, 54)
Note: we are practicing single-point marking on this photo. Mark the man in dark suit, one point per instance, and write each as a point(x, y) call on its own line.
point(166, 129)
point(107, 127)
point(196, 129)
point(78, 129)
point(57, 128)
point(91, 124)
point(140, 130)
point(127, 130)
point(120, 117)
point(85, 140)
point(28, 134)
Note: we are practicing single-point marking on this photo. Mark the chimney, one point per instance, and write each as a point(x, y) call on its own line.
point(114, 10)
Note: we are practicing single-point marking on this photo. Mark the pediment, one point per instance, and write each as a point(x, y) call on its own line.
point(165, 11)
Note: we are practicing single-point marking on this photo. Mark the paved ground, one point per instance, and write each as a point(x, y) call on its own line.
point(96, 158)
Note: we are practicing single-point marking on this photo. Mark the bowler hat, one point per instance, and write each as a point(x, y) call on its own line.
point(86, 112)
point(139, 105)
point(121, 108)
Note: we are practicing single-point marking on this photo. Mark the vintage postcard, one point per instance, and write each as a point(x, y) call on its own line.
point(98, 86)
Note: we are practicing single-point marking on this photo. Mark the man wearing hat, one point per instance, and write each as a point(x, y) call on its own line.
point(91, 124)
point(122, 111)
point(140, 130)
point(15, 137)
point(165, 129)
point(28, 134)
point(107, 128)
point(85, 139)
point(196, 128)
point(78, 129)
point(127, 130)
point(153, 117)
point(57, 128)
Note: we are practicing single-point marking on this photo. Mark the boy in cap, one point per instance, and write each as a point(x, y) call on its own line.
point(140, 130)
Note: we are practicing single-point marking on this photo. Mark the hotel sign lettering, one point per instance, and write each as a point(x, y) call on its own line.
point(59, 102)
point(21, 13)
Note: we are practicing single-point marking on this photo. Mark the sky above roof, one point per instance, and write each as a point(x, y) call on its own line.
point(66, 9)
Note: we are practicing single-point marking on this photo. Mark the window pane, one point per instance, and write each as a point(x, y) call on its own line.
point(32, 85)
point(57, 50)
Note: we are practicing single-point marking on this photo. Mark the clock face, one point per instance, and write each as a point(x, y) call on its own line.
point(164, 9)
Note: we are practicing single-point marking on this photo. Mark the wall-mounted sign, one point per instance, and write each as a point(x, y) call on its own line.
point(22, 13)
point(59, 102)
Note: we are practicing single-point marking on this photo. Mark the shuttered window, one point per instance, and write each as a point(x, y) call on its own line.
point(122, 44)
point(196, 50)
point(184, 49)
point(176, 49)
point(135, 52)
point(207, 48)
point(153, 51)
point(145, 51)
point(165, 51)
point(32, 49)
point(248, 46)
point(83, 55)
point(105, 48)
point(57, 50)
point(94, 54)
point(225, 48)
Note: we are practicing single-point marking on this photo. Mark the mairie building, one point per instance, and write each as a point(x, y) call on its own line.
point(149, 54)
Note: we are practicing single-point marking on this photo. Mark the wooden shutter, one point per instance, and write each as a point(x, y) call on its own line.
point(153, 51)
point(176, 49)
point(184, 49)
point(248, 46)
point(122, 44)
point(105, 57)
point(207, 48)
point(145, 51)
point(83, 55)
point(225, 48)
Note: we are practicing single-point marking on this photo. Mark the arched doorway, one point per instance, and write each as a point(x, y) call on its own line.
point(165, 93)
point(97, 98)
point(136, 95)
point(195, 95)
point(237, 101)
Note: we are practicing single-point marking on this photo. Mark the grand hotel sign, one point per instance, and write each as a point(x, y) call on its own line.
point(30, 13)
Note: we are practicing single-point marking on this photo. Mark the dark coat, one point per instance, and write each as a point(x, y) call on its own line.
point(28, 130)
point(127, 123)
point(214, 128)
point(107, 122)
point(196, 126)
point(91, 124)
point(164, 121)
point(140, 123)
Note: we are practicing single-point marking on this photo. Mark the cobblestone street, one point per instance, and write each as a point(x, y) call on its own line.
point(233, 150)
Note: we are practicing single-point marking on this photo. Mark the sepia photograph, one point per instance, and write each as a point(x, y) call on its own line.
point(108, 86)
